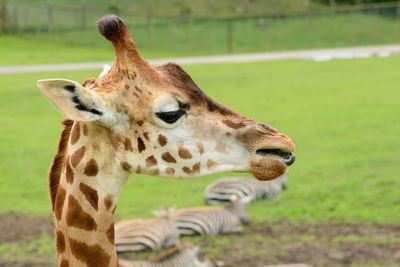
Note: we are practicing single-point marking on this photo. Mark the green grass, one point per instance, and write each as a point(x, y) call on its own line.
point(343, 116)
point(178, 38)
point(38, 251)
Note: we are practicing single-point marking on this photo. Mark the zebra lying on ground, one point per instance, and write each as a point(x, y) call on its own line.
point(181, 256)
point(212, 220)
point(146, 234)
point(223, 189)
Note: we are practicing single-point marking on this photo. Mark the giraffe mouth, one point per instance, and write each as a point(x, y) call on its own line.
point(287, 157)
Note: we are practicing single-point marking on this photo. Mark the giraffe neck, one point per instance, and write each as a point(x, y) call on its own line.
point(86, 200)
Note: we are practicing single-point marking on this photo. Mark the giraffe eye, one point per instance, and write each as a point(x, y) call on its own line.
point(171, 116)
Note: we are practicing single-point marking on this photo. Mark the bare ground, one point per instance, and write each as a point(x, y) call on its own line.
point(260, 244)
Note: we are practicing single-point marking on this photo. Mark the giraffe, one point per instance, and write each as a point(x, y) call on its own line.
point(139, 118)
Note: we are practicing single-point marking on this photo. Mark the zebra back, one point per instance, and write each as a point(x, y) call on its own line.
point(207, 221)
point(186, 255)
point(145, 234)
point(223, 189)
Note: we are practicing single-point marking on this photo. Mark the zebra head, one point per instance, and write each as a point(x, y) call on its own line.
point(239, 207)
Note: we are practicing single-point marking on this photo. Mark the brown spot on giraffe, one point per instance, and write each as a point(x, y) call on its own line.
point(95, 146)
point(141, 145)
point(194, 170)
point(128, 144)
point(162, 140)
point(196, 167)
point(138, 89)
point(77, 217)
point(151, 161)
point(69, 173)
point(115, 141)
point(155, 172)
point(59, 202)
point(108, 202)
point(85, 130)
point(90, 195)
point(210, 163)
point(75, 134)
point(201, 148)
point(139, 169)
point(126, 166)
point(234, 125)
point(146, 135)
point(184, 153)
point(140, 123)
point(170, 171)
point(221, 148)
point(91, 255)
point(60, 242)
point(168, 157)
point(110, 234)
point(91, 168)
point(127, 87)
point(77, 156)
point(187, 170)
point(64, 263)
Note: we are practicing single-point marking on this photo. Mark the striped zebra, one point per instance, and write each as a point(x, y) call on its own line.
point(226, 219)
point(223, 189)
point(146, 234)
point(181, 256)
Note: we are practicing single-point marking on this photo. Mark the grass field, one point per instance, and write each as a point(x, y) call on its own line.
point(178, 38)
point(343, 116)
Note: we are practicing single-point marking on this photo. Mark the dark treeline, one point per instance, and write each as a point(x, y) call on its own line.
point(339, 2)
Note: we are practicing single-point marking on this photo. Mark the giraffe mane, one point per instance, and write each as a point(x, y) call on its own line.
point(58, 161)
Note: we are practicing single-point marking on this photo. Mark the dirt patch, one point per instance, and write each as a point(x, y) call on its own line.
point(15, 227)
point(260, 244)
point(316, 245)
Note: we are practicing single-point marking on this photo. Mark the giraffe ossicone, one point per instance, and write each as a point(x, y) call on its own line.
point(139, 118)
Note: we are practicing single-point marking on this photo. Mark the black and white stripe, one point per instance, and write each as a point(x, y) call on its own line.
point(181, 256)
point(223, 189)
point(226, 219)
point(145, 234)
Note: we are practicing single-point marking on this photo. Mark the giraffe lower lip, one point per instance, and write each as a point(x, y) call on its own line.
point(268, 168)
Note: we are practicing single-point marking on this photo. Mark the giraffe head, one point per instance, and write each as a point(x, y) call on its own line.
point(161, 123)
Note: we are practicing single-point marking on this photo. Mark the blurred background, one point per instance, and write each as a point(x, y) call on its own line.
point(342, 205)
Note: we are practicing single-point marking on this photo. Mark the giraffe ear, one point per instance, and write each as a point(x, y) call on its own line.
point(72, 100)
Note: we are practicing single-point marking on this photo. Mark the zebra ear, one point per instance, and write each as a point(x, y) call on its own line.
point(159, 213)
point(171, 210)
point(234, 198)
point(164, 213)
point(246, 200)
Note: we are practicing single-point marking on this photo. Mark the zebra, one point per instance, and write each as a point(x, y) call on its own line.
point(186, 255)
point(226, 219)
point(146, 234)
point(223, 189)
